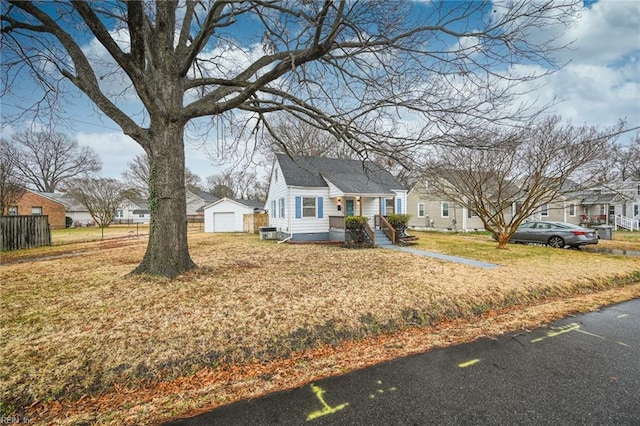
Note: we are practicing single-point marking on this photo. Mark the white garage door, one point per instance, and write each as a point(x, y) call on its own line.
point(224, 222)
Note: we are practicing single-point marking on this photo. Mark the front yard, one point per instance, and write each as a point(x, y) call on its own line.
point(85, 342)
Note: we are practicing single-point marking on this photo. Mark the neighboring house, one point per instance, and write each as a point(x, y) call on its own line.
point(310, 196)
point(197, 200)
point(134, 210)
point(40, 204)
point(617, 203)
point(227, 215)
point(600, 205)
point(78, 213)
point(429, 211)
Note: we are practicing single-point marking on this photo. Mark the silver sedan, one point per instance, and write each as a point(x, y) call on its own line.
point(555, 234)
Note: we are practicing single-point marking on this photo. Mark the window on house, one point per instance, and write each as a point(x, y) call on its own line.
point(276, 176)
point(603, 210)
point(36, 211)
point(13, 211)
point(517, 206)
point(281, 205)
point(471, 212)
point(636, 210)
point(308, 207)
point(141, 215)
point(119, 213)
point(444, 209)
point(420, 209)
point(544, 210)
point(572, 209)
point(389, 206)
point(274, 212)
point(638, 189)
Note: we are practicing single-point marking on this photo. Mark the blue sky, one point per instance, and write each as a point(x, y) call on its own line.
point(599, 85)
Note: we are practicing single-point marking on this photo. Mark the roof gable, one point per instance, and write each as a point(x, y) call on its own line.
point(349, 176)
point(243, 203)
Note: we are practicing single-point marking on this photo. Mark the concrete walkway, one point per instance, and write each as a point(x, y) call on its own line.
point(441, 256)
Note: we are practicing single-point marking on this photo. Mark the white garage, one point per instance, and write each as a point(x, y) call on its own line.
point(226, 214)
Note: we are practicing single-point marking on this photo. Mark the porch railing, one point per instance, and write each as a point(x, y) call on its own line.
point(627, 223)
point(370, 233)
point(382, 223)
point(336, 222)
point(593, 219)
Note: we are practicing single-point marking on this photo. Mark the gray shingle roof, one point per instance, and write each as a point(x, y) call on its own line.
point(250, 203)
point(350, 176)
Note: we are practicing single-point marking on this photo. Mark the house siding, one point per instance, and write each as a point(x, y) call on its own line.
point(53, 209)
point(310, 228)
point(278, 190)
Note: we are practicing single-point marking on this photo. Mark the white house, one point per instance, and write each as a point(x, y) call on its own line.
point(226, 214)
point(133, 211)
point(309, 197)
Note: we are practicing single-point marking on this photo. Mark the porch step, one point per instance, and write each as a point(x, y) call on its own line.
point(382, 239)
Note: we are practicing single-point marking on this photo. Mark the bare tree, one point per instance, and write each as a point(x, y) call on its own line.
point(298, 138)
point(223, 184)
point(47, 159)
point(101, 196)
point(138, 171)
point(625, 161)
point(524, 168)
point(11, 188)
point(362, 71)
point(232, 183)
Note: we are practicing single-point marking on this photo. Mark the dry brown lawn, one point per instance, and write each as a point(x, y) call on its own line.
point(85, 342)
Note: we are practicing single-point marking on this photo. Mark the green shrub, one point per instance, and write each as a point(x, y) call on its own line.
point(400, 222)
point(355, 226)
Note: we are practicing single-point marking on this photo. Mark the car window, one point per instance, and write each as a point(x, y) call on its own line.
point(526, 225)
point(540, 225)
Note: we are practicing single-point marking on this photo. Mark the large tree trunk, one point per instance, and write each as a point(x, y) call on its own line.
point(167, 251)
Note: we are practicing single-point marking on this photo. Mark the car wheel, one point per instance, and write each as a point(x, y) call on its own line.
point(556, 242)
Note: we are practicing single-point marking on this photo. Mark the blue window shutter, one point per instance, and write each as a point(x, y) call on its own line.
point(384, 206)
point(320, 208)
point(298, 207)
point(399, 205)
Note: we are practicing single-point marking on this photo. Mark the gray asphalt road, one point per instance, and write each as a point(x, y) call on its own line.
point(583, 370)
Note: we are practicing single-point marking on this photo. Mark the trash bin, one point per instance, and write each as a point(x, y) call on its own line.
point(604, 232)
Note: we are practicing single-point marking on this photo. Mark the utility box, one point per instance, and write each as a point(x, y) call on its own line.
point(268, 233)
point(605, 232)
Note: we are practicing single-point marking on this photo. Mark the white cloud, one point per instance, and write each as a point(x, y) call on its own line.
point(114, 149)
point(606, 32)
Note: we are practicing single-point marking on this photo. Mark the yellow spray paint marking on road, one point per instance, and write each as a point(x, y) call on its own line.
point(590, 334)
point(561, 330)
point(326, 410)
point(468, 363)
point(381, 391)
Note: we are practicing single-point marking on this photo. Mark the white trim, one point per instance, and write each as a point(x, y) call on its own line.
point(442, 204)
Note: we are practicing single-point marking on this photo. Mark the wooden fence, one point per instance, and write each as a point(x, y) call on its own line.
point(21, 232)
point(253, 222)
